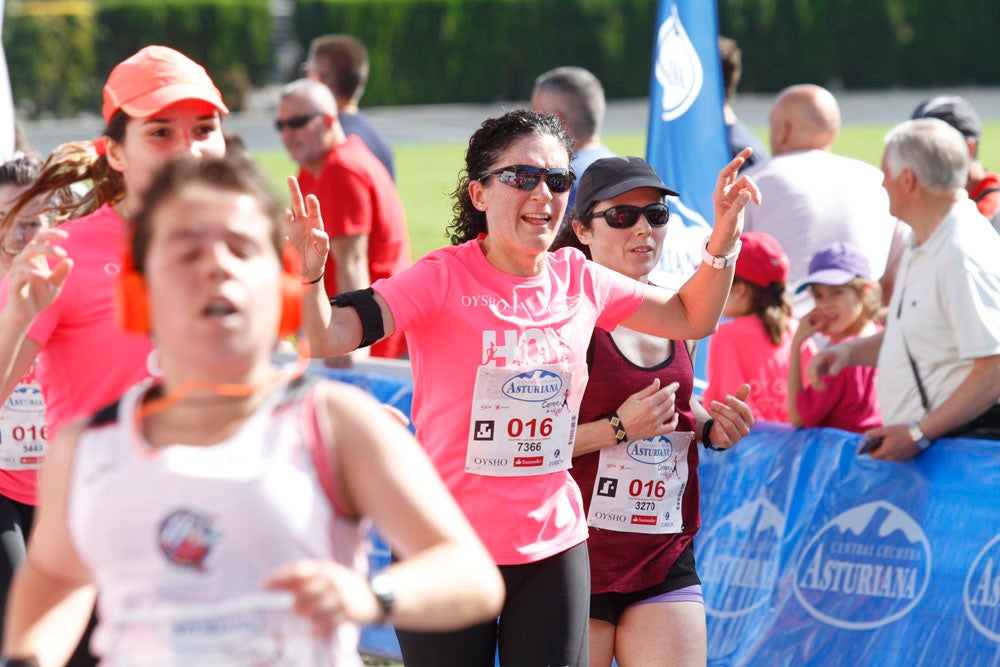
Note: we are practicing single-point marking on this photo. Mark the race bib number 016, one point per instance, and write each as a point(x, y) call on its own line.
point(640, 485)
point(524, 419)
point(23, 442)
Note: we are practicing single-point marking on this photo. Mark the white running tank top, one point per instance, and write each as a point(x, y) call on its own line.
point(180, 539)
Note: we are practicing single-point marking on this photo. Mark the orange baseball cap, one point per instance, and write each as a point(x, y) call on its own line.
point(154, 78)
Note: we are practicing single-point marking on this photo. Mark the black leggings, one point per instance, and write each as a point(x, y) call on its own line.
point(544, 621)
point(15, 527)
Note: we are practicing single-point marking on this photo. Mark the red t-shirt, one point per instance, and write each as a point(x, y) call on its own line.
point(989, 203)
point(357, 196)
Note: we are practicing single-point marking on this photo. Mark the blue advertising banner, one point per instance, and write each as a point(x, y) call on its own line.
point(687, 142)
point(812, 555)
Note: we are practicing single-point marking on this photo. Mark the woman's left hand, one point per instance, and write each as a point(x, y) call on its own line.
point(732, 194)
point(327, 594)
point(733, 418)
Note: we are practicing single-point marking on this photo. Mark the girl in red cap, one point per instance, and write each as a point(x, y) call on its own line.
point(158, 105)
point(756, 345)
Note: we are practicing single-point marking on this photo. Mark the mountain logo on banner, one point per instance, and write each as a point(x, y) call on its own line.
point(866, 568)
point(678, 68)
point(741, 555)
point(981, 595)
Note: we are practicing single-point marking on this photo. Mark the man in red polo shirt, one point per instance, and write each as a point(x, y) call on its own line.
point(361, 209)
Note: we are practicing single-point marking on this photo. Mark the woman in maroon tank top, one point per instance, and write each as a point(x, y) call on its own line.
point(636, 453)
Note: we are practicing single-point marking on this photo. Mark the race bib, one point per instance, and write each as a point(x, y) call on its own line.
point(524, 419)
point(256, 630)
point(23, 443)
point(640, 485)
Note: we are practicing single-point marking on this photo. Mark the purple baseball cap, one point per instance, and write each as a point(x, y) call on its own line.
point(836, 264)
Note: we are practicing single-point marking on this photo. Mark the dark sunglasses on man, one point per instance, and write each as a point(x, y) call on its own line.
point(295, 122)
point(624, 216)
point(526, 177)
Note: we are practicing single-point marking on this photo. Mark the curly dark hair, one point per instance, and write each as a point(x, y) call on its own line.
point(492, 138)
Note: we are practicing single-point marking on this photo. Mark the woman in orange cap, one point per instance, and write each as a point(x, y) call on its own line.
point(158, 105)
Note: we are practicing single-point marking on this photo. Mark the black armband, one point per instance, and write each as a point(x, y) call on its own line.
point(363, 301)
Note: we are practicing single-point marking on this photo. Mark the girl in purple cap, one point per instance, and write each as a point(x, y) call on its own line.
point(847, 304)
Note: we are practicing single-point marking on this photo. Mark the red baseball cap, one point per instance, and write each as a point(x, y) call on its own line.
point(761, 260)
point(154, 78)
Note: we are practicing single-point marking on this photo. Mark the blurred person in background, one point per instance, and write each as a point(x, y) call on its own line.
point(739, 135)
point(577, 98)
point(341, 62)
point(362, 211)
point(982, 185)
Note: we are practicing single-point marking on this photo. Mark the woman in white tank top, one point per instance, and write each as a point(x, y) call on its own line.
point(217, 513)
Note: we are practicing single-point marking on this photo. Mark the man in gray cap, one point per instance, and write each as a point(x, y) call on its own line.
point(983, 186)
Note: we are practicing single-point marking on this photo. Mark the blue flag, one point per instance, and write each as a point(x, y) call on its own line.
point(687, 142)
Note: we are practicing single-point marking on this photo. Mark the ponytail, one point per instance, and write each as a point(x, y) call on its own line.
point(772, 306)
point(71, 163)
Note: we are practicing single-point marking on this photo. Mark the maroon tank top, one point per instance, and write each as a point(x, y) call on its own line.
point(626, 562)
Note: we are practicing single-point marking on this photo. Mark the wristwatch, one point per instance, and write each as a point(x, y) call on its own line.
point(918, 437)
point(384, 591)
point(719, 261)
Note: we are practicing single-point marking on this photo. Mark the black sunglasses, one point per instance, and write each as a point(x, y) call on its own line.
point(525, 177)
point(295, 122)
point(624, 216)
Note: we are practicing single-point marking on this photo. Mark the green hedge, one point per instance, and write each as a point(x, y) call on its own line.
point(51, 56)
point(432, 51)
point(863, 43)
point(60, 53)
point(437, 51)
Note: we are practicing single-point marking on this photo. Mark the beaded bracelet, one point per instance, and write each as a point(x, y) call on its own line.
point(616, 424)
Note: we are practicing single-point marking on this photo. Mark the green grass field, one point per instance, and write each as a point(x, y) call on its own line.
point(427, 173)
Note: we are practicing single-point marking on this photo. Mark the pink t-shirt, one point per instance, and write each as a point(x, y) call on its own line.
point(87, 361)
point(741, 351)
point(849, 402)
point(459, 313)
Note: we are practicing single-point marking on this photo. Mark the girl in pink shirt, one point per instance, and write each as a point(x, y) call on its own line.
point(755, 346)
point(497, 329)
point(847, 303)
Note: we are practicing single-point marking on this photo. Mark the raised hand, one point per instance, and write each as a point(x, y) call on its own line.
point(304, 227)
point(732, 194)
point(37, 274)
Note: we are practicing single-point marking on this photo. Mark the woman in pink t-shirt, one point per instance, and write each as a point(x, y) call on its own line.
point(22, 416)
point(497, 329)
point(158, 105)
